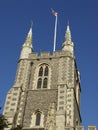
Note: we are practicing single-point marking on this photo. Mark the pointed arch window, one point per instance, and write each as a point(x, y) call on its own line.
point(45, 82)
point(38, 118)
point(43, 76)
point(39, 83)
point(46, 71)
point(41, 71)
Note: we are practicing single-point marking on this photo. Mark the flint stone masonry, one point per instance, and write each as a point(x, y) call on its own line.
point(39, 100)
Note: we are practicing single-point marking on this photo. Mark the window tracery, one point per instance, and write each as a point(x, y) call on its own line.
point(43, 75)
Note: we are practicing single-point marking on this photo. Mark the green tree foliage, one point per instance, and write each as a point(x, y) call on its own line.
point(3, 122)
point(17, 128)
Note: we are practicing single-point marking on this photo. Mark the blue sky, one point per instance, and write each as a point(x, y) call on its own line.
point(15, 17)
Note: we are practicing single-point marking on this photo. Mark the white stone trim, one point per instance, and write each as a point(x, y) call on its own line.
point(33, 120)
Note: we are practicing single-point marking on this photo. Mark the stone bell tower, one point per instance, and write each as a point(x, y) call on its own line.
point(46, 92)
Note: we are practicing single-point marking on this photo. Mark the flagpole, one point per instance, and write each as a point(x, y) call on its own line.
point(55, 31)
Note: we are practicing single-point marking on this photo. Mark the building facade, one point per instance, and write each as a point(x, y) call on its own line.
point(46, 91)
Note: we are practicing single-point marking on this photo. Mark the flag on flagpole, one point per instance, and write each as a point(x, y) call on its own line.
point(55, 29)
point(54, 12)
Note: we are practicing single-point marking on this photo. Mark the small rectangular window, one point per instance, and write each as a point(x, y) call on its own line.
point(15, 88)
point(62, 91)
point(61, 102)
point(61, 86)
point(14, 94)
point(14, 99)
point(9, 97)
point(13, 104)
point(61, 108)
point(7, 108)
point(11, 109)
point(61, 97)
point(7, 102)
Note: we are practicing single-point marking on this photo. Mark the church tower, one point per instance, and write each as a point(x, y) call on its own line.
point(46, 92)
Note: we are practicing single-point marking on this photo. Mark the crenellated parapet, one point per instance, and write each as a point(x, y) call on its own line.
point(89, 128)
point(47, 55)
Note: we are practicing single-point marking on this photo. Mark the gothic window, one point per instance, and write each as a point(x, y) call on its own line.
point(46, 71)
point(43, 76)
point(38, 118)
point(39, 83)
point(41, 71)
point(45, 83)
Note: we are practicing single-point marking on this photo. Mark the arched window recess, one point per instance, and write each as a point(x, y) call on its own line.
point(43, 76)
point(41, 71)
point(38, 119)
point(46, 71)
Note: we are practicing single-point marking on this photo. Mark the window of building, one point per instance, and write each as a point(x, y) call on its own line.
point(11, 109)
point(13, 104)
point(14, 94)
point(45, 83)
point(39, 83)
point(14, 99)
point(7, 108)
point(7, 102)
point(61, 97)
point(15, 88)
point(62, 91)
point(46, 71)
point(43, 76)
point(61, 108)
point(9, 97)
point(61, 102)
point(41, 71)
point(38, 118)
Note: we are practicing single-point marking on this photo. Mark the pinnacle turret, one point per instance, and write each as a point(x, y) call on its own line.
point(28, 41)
point(68, 39)
point(68, 44)
point(68, 35)
point(27, 46)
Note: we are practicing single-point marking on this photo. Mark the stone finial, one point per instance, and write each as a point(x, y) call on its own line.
point(68, 39)
point(27, 46)
point(68, 44)
point(28, 41)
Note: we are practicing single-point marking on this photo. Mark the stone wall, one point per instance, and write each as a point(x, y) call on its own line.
point(38, 100)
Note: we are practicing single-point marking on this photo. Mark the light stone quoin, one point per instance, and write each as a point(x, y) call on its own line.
point(46, 91)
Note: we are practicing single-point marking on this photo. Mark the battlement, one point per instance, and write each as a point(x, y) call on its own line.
point(47, 55)
point(81, 128)
point(92, 128)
